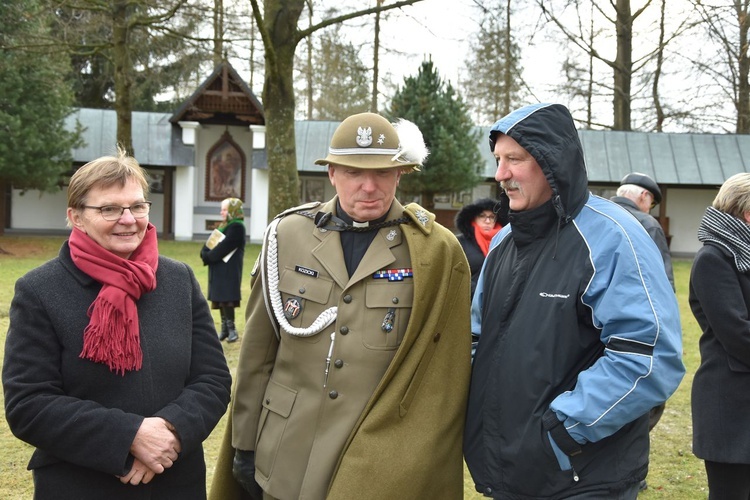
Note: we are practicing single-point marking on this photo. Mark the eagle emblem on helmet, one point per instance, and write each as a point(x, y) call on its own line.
point(364, 136)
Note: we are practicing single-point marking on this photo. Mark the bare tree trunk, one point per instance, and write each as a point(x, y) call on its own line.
point(623, 67)
point(590, 89)
point(507, 70)
point(309, 69)
point(122, 74)
point(218, 13)
point(743, 64)
point(252, 51)
point(278, 100)
point(376, 62)
point(657, 73)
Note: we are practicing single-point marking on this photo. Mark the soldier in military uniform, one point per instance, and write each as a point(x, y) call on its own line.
point(353, 373)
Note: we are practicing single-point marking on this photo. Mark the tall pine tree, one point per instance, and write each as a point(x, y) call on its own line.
point(440, 113)
point(35, 147)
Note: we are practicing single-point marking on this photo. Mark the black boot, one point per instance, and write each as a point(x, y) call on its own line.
point(233, 337)
point(224, 330)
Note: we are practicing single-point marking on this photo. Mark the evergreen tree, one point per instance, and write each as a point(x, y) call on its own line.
point(163, 57)
point(454, 162)
point(35, 148)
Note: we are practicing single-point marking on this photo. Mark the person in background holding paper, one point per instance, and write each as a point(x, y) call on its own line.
point(223, 253)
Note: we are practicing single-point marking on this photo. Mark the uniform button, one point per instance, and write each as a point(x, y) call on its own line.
point(436, 337)
point(302, 290)
point(268, 401)
point(394, 300)
point(488, 492)
point(347, 298)
point(338, 363)
point(344, 330)
point(333, 394)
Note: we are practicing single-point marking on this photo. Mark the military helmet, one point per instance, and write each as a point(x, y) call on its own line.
point(367, 140)
point(645, 182)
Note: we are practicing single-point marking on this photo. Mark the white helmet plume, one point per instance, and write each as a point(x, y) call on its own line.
point(412, 148)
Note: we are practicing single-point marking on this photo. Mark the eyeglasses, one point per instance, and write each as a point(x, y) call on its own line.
point(489, 218)
point(653, 199)
point(114, 212)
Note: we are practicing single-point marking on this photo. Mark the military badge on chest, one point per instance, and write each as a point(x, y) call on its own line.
point(292, 307)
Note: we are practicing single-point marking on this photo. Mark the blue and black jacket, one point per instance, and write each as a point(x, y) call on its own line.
point(580, 334)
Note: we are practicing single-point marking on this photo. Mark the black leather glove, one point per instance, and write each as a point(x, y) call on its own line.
point(243, 470)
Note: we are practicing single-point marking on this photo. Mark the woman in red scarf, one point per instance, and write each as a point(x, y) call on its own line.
point(477, 223)
point(113, 370)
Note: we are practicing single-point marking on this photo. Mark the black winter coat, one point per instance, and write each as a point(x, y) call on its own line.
point(720, 301)
point(225, 278)
point(80, 416)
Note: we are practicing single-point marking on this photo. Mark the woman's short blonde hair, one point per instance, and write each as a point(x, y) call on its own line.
point(105, 172)
point(734, 196)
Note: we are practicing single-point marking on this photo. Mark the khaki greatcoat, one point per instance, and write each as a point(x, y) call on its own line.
point(389, 421)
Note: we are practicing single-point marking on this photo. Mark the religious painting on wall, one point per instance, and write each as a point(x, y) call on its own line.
point(225, 170)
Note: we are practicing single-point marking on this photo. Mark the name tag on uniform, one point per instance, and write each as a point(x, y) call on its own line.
point(307, 271)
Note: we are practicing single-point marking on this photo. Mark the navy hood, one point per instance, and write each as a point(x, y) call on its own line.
point(548, 133)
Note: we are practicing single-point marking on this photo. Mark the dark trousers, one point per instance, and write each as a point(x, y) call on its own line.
point(629, 493)
point(728, 481)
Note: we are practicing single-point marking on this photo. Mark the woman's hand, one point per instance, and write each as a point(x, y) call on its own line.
point(156, 444)
point(139, 474)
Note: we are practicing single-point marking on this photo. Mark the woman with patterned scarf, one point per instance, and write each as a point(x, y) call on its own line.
point(720, 301)
point(113, 371)
point(224, 261)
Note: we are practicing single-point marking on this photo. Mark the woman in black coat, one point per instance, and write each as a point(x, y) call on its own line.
point(112, 371)
point(224, 261)
point(720, 301)
point(477, 223)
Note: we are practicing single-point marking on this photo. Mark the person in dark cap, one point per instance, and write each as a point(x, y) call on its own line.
point(638, 194)
point(354, 366)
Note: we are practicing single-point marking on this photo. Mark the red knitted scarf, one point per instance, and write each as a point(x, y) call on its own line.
point(112, 335)
point(484, 238)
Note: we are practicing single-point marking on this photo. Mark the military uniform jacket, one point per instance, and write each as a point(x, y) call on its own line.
point(308, 404)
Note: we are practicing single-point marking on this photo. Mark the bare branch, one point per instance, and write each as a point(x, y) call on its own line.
point(352, 15)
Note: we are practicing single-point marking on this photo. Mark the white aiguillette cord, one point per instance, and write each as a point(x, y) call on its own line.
point(325, 318)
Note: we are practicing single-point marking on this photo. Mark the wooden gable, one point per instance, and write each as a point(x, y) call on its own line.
point(223, 99)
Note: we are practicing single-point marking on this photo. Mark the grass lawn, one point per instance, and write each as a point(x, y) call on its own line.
point(674, 472)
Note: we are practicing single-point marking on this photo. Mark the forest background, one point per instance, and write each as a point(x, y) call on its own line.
point(647, 65)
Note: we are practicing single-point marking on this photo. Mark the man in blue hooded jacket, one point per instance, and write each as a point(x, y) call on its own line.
point(580, 328)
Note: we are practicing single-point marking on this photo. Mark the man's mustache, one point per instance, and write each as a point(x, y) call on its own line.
point(506, 185)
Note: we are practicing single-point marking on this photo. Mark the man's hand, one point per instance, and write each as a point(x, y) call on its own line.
point(243, 470)
point(155, 444)
point(139, 474)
